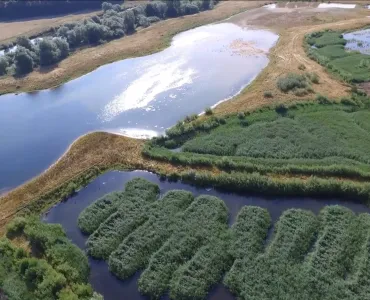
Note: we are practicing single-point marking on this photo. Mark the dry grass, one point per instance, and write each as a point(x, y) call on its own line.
point(9, 31)
point(144, 42)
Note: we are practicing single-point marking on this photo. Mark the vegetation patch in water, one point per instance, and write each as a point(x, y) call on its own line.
point(47, 266)
point(329, 51)
point(186, 247)
point(134, 210)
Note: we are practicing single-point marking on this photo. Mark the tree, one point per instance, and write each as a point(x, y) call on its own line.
point(23, 60)
point(25, 42)
point(106, 6)
point(49, 52)
point(96, 32)
point(3, 65)
point(63, 47)
point(128, 20)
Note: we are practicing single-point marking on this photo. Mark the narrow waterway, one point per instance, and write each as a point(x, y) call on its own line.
point(66, 213)
point(139, 97)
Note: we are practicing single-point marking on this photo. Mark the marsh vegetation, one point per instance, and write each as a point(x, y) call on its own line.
point(328, 49)
point(184, 246)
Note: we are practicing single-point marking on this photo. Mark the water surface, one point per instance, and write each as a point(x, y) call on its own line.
point(358, 41)
point(137, 97)
point(66, 213)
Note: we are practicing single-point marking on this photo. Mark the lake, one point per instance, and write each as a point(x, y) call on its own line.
point(66, 214)
point(138, 97)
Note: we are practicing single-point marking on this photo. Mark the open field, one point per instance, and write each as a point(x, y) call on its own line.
point(94, 153)
point(144, 42)
point(315, 257)
point(9, 31)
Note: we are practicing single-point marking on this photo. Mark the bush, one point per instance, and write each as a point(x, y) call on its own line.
point(291, 82)
point(63, 47)
point(302, 67)
point(143, 21)
point(3, 65)
point(267, 94)
point(49, 52)
point(208, 111)
point(16, 226)
point(25, 42)
point(190, 9)
point(156, 9)
point(23, 60)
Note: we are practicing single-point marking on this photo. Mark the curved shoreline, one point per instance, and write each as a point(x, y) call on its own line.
point(143, 42)
point(104, 151)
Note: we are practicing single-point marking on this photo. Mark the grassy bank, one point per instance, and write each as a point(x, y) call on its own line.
point(185, 247)
point(146, 41)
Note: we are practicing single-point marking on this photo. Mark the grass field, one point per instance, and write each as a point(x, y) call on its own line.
point(351, 66)
point(185, 247)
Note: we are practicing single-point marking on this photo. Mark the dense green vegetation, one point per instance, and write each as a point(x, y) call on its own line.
point(185, 247)
point(135, 250)
point(116, 22)
point(134, 210)
point(299, 84)
point(51, 268)
point(327, 48)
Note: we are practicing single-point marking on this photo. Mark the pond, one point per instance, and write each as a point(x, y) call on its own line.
point(358, 41)
point(66, 213)
point(139, 97)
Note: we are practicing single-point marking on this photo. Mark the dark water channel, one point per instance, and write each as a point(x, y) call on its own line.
point(138, 97)
point(66, 213)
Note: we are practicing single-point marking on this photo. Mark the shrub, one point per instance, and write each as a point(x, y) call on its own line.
point(63, 47)
point(208, 111)
point(143, 21)
point(107, 6)
point(156, 9)
point(3, 65)
point(267, 94)
point(313, 77)
point(291, 82)
point(241, 115)
point(23, 60)
point(16, 226)
point(49, 52)
point(322, 99)
point(302, 67)
point(25, 42)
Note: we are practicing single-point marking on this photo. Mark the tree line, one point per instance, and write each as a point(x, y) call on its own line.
point(116, 22)
point(18, 9)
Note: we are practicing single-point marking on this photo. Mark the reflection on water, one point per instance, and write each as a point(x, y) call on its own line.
point(66, 213)
point(358, 41)
point(141, 96)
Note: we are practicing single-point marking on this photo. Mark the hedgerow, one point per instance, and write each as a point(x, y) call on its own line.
point(133, 211)
point(137, 248)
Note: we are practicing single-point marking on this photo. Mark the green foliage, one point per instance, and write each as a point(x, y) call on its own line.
point(16, 226)
point(135, 250)
point(55, 269)
point(205, 218)
point(208, 111)
point(330, 52)
point(291, 82)
point(97, 212)
point(133, 212)
point(268, 94)
point(3, 65)
point(23, 60)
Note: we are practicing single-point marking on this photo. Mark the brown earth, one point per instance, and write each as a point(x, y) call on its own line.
point(145, 41)
point(104, 150)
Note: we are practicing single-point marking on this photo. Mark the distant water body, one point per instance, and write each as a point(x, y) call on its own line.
point(138, 97)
